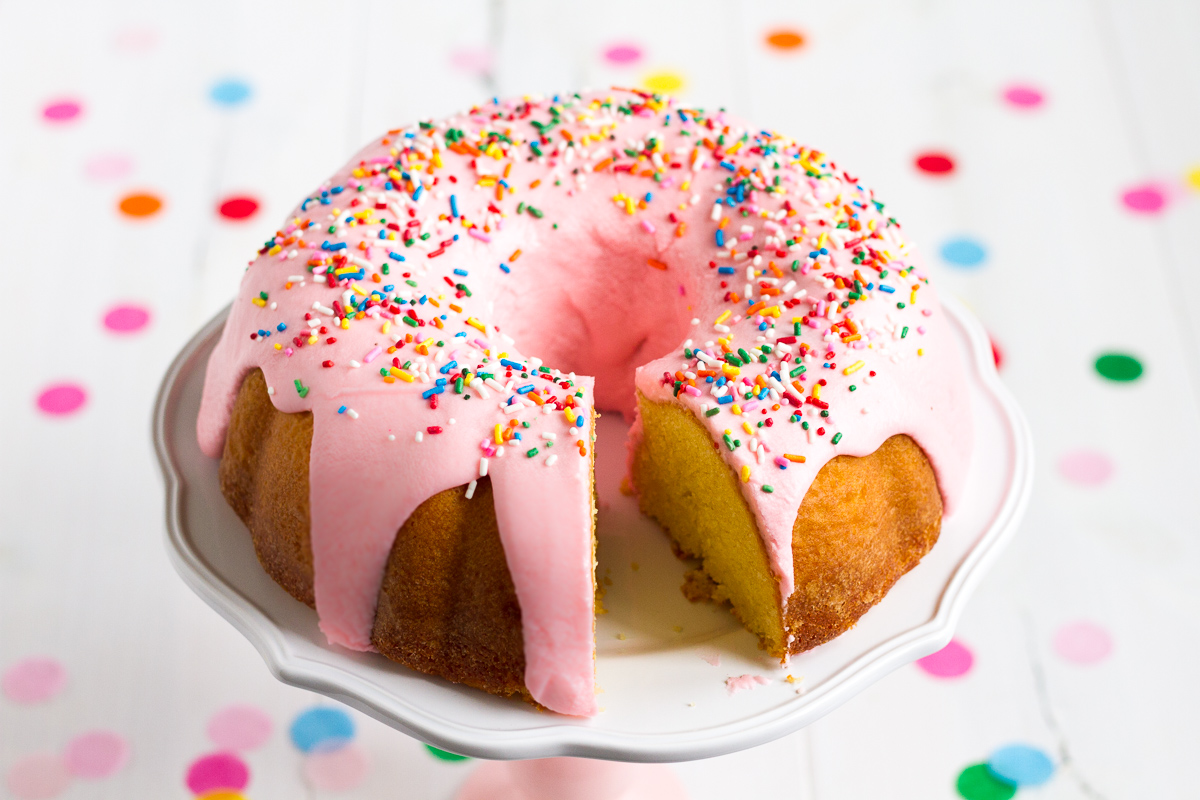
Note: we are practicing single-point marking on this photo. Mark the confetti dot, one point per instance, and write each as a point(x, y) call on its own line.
point(237, 208)
point(663, 82)
point(60, 111)
point(140, 204)
point(217, 771)
point(1193, 178)
point(952, 661)
point(108, 166)
point(240, 728)
point(126, 318)
point(1119, 367)
point(935, 163)
point(1145, 199)
point(1086, 467)
point(230, 92)
point(997, 352)
point(62, 398)
point(1083, 642)
point(963, 252)
point(785, 39)
point(136, 40)
point(321, 728)
point(1024, 97)
point(977, 783)
point(223, 794)
point(474, 60)
point(1021, 765)
point(34, 680)
point(445, 755)
point(38, 776)
point(96, 754)
point(623, 54)
point(339, 771)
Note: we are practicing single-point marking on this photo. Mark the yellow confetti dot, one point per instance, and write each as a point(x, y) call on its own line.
point(663, 82)
point(1193, 178)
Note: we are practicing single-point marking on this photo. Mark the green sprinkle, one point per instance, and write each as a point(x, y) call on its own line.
point(800, 370)
point(521, 207)
point(531, 452)
point(853, 388)
point(383, 371)
point(767, 489)
point(262, 295)
point(301, 389)
point(837, 437)
point(535, 212)
point(795, 328)
point(385, 269)
point(899, 305)
point(409, 320)
point(411, 282)
point(804, 425)
point(904, 332)
point(795, 265)
point(712, 412)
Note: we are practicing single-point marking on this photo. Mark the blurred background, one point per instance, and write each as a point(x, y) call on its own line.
point(1045, 154)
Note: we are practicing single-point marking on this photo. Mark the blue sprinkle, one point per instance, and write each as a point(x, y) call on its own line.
point(428, 393)
point(396, 256)
point(337, 190)
point(649, 197)
point(449, 365)
point(341, 409)
point(281, 327)
point(388, 186)
point(506, 268)
point(440, 382)
point(883, 287)
point(824, 251)
point(963, 252)
point(462, 272)
point(417, 192)
point(726, 270)
point(509, 363)
point(333, 248)
point(321, 729)
point(456, 237)
point(526, 389)
point(388, 287)
point(579, 421)
point(726, 399)
point(460, 335)
point(1021, 765)
point(424, 297)
point(720, 238)
point(727, 165)
point(454, 206)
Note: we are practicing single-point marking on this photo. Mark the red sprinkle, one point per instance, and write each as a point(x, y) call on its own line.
point(326, 364)
point(434, 429)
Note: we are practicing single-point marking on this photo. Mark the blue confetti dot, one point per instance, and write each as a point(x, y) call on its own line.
point(321, 729)
point(1021, 765)
point(230, 92)
point(963, 252)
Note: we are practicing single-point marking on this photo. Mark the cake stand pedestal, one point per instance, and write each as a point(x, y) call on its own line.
point(665, 666)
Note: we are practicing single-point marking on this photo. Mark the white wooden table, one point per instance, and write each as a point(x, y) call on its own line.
point(100, 102)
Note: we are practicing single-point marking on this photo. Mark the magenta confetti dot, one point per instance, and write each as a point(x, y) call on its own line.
point(623, 54)
point(34, 680)
point(337, 771)
point(952, 661)
point(108, 166)
point(1146, 199)
point(475, 60)
point(61, 111)
point(38, 776)
point(217, 771)
point(1025, 97)
point(62, 398)
point(240, 728)
point(1083, 642)
point(126, 318)
point(96, 754)
point(1086, 467)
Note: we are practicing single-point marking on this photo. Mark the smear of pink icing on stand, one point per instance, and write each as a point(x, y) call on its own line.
point(364, 486)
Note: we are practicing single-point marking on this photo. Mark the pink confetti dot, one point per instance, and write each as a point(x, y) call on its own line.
point(623, 54)
point(126, 318)
point(952, 661)
point(34, 680)
point(217, 771)
point(240, 728)
point(136, 40)
point(108, 166)
point(61, 111)
point(1083, 642)
point(1145, 199)
point(475, 60)
point(1024, 97)
point(1086, 467)
point(96, 754)
point(62, 398)
point(337, 771)
point(38, 776)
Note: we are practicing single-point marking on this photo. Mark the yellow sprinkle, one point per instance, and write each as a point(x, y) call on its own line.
point(278, 346)
point(735, 409)
point(628, 205)
point(920, 351)
point(821, 240)
point(312, 339)
point(498, 434)
point(730, 370)
point(570, 412)
point(401, 374)
point(855, 367)
point(474, 323)
point(258, 301)
point(724, 316)
point(746, 427)
point(385, 327)
point(745, 473)
point(437, 158)
point(345, 324)
point(816, 391)
point(274, 250)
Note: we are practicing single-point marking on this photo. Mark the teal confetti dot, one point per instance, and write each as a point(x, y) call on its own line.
point(1119, 367)
point(321, 729)
point(1021, 765)
point(977, 783)
point(963, 252)
point(230, 92)
point(444, 755)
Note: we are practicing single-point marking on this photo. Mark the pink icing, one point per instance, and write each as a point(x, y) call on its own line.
point(606, 282)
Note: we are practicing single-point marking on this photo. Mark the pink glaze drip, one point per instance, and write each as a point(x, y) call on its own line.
point(592, 297)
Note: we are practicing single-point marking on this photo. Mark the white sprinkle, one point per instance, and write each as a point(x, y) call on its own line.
point(550, 459)
point(355, 364)
point(471, 489)
point(351, 413)
point(716, 213)
point(274, 305)
point(420, 436)
point(391, 437)
point(549, 435)
point(483, 465)
point(695, 321)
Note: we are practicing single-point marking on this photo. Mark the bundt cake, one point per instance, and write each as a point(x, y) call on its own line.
point(403, 397)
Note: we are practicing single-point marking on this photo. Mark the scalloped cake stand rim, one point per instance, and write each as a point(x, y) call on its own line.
point(344, 682)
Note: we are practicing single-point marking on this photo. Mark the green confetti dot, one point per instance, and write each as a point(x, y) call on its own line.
point(445, 756)
point(1119, 367)
point(977, 783)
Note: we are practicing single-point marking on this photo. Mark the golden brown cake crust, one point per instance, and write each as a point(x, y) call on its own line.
point(447, 605)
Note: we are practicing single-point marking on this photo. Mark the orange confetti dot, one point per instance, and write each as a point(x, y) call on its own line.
point(140, 205)
point(785, 39)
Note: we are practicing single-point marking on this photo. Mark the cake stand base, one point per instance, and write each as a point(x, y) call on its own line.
point(571, 779)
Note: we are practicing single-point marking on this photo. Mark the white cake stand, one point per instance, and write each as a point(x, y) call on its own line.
point(661, 662)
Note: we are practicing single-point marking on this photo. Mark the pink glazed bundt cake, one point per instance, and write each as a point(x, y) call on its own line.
point(404, 393)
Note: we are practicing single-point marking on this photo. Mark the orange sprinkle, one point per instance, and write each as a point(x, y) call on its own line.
point(602, 165)
point(797, 459)
point(654, 262)
point(515, 255)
